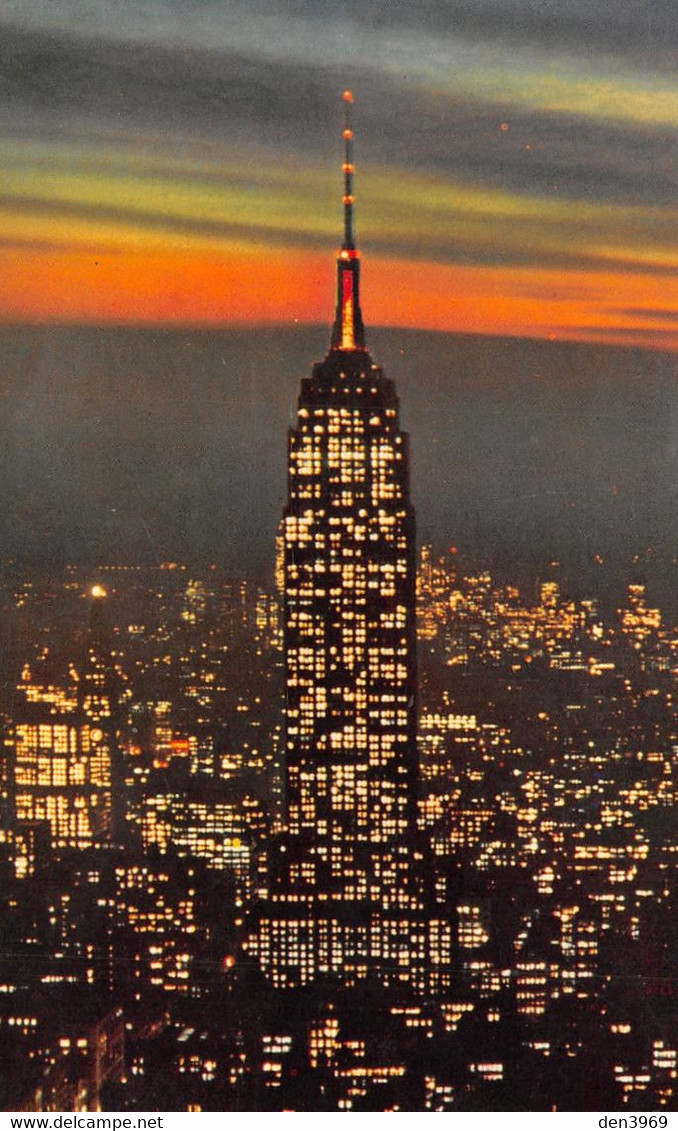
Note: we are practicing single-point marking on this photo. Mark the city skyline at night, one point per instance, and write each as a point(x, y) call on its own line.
point(341, 810)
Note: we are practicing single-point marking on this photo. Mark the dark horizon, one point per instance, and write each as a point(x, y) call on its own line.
point(145, 445)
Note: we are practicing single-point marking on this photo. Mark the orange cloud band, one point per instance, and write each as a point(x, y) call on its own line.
point(260, 286)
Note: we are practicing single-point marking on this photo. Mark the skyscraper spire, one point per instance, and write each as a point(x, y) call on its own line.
point(348, 332)
point(349, 169)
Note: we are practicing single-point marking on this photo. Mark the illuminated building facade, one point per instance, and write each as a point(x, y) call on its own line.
point(99, 697)
point(62, 778)
point(346, 886)
point(63, 749)
point(193, 818)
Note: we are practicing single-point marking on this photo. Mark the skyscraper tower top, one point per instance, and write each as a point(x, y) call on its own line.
point(348, 332)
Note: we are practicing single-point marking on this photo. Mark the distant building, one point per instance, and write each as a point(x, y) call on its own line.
point(64, 748)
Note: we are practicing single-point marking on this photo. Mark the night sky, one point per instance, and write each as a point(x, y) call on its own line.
point(170, 211)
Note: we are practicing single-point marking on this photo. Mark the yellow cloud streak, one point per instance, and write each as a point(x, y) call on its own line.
point(630, 100)
point(189, 210)
point(97, 208)
point(598, 88)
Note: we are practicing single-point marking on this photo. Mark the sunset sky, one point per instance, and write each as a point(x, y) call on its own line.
point(176, 162)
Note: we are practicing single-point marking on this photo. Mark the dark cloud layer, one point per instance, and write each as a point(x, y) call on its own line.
point(643, 31)
point(61, 85)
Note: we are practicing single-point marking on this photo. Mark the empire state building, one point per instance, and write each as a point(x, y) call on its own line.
point(347, 892)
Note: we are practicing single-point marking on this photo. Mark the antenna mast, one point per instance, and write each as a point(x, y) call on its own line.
point(349, 169)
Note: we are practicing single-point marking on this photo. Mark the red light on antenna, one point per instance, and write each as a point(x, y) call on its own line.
point(348, 96)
